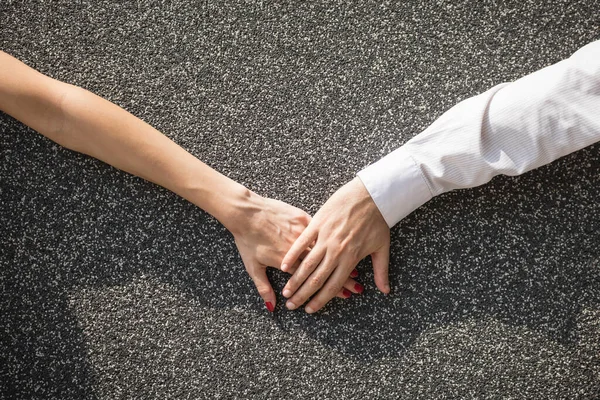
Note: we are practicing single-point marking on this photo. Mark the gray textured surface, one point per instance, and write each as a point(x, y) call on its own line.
point(113, 288)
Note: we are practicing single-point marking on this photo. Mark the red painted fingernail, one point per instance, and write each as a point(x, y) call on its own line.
point(346, 293)
point(270, 306)
point(354, 274)
point(359, 288)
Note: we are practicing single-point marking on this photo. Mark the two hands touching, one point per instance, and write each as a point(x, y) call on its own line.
point(321, 253)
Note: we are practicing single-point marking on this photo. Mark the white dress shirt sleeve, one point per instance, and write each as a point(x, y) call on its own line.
point(510, 129)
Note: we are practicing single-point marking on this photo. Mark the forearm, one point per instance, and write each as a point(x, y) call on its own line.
point(84, 122)
point(105, 131)
point(508, 130)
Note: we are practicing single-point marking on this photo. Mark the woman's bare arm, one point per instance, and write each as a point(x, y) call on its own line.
point(263, 229)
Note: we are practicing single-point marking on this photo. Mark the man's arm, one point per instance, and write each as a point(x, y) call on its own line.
point(509, 130)
point(263, 229)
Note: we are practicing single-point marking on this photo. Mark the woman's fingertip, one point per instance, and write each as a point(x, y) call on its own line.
point(354, 274)
point(270, 306)
point(359, 288)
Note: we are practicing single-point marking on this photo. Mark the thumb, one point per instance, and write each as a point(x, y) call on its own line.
point(381, 264)
point(258, 273)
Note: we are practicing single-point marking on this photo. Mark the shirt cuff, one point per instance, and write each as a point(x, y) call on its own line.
point(396, 185)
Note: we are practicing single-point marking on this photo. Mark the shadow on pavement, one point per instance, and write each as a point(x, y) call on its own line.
point(520, 250)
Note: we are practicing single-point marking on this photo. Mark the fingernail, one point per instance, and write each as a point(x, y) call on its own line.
point(346, 293)
point(359, 288)
point(270, 306)
point(309, 309)
point(290, 305)
point(287, 293)
point(354, 274)
point(284, 267)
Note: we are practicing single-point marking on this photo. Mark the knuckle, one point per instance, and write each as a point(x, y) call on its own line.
point(334, 288)
point(316, 281)
point(309, 264)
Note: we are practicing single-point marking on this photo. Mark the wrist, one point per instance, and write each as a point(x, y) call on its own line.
point(231, 203)
point(240, 210)
point(363, 201)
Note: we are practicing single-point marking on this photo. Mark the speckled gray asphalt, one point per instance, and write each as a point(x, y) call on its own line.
point(111, 287)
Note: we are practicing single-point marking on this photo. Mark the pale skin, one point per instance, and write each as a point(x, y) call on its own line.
point(346, 229)
point(263, 228)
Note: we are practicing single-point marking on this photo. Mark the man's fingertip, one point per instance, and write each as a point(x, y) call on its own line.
point(290, 305)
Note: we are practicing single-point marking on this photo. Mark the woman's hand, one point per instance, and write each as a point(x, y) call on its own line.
point(265, 231)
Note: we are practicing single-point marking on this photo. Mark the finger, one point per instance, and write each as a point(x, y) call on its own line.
point(304, 254)
point(314, 282)
point(344, 294)
point(298, 261)
point(291, 270)
point(258, 273)
point(354, 286)
point(381, 265)
point(299, 246)
point(306, 268)
point(275, 262)
point(329, 290)
point(354, 273)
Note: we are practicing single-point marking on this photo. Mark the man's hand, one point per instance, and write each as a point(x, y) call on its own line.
point(266, 229)
point(345, 230)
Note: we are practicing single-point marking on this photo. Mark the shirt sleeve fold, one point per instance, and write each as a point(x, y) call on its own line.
point(510, 129)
